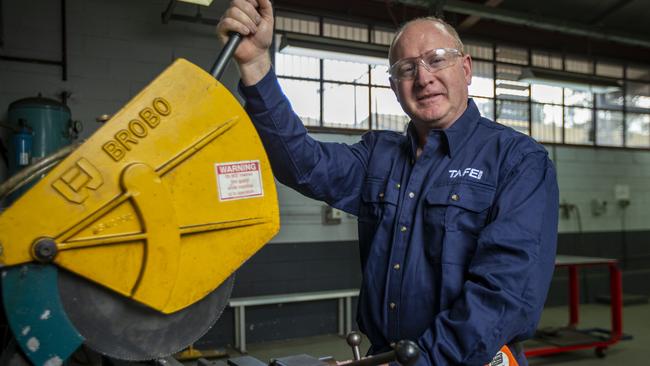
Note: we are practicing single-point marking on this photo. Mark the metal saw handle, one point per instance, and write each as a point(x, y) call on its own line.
point(405, 353)
point(226, 53)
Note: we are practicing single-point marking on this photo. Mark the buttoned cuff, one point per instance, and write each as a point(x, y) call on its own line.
point(264, 95)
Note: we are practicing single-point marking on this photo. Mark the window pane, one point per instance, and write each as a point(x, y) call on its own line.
point(578, 126)
point(547, 60)
point(546, 93)
point(305, 99)
point(508, 84)
point(382, 36)
point(299, 66)
point(513, 55)
point(580, 65)
point(386, 111)
point(638, 73)
point(609, 126)
point(638, 96)
point(345, 106)
point(609, 69)
point(479, 50)
point(547, 123)
point(485, 106)
point(297, 23)
point(352, 72)
point(347, 30)
point(513, 114)
point(611, 100)
point(578, 98)
point(482, 80)
point(638, 130)
point(379, 75)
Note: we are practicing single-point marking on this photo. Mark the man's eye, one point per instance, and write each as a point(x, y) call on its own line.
point(436, 61)
point(406, 68)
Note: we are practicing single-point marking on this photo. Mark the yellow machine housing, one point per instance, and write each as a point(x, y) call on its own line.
point(162, 203)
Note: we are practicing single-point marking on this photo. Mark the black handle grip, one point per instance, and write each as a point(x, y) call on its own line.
point(405, 353)
point(226, 53)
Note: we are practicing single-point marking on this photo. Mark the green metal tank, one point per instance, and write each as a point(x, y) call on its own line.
point(50, 125)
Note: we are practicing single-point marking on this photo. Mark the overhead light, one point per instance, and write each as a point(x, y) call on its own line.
point(198, 2)
point(572, 80)
point(333, 48)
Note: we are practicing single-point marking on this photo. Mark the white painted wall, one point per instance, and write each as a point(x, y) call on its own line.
point(116, 47)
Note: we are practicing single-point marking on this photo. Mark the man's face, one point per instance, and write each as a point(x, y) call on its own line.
point(431, 99)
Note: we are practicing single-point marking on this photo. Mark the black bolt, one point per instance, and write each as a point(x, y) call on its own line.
point(45, 250)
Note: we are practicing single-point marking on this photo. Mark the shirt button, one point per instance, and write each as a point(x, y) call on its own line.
point(411, 194)
point(396, 267)
point(455, 197)
point(392, 305)
point(403, 229)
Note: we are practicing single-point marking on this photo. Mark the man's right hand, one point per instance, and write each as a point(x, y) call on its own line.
point(253, 19)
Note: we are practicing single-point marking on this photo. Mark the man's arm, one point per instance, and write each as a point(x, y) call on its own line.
point(330, 172)
point(508, 277)
point(324, 171)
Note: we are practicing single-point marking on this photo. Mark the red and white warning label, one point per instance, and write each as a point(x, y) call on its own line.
point(239, 180)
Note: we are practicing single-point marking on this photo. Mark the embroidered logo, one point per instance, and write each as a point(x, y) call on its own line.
point(471, 172)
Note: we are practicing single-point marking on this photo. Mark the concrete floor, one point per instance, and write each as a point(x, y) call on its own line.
point(629, 353)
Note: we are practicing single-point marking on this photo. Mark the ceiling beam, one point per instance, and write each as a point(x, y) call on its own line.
point(471, 20)
point(525, 19)
point(609, 11)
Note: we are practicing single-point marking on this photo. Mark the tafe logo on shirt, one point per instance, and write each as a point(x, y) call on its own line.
point(473, 173)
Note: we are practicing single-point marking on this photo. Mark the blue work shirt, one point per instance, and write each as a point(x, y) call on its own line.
point(457, 245)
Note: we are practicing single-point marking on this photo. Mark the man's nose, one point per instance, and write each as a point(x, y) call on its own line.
point(424, 76)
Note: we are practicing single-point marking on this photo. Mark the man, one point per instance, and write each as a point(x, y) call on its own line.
point(457, 218)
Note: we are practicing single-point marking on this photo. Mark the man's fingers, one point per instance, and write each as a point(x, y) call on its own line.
point(249, 8)
point(235, 19)
point(265, 9)
point(254, 3)
point(229, 24)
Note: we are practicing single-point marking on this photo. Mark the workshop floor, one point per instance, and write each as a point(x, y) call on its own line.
point(630, 353)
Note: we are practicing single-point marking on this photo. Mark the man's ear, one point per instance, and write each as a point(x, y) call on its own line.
point(394, 87)
point(467, 69)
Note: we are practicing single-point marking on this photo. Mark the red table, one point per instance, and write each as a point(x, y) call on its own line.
point(585, 341)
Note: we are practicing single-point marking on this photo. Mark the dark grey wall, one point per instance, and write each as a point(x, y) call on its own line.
point(317, 266)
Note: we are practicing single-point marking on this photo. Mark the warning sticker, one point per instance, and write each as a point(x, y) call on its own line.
point(239, 180)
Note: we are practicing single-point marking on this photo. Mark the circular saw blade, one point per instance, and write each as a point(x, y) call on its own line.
point(121, 328)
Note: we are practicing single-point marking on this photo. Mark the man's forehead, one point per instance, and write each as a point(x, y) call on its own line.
point(422, 33)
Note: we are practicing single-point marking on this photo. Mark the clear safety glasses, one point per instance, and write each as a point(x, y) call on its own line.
point(433, 60)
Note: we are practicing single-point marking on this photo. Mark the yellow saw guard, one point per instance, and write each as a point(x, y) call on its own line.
point(163, 203)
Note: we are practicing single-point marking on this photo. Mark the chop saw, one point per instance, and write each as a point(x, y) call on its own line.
point(129, 244)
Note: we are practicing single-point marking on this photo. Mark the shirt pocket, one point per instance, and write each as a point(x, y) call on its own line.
point(378, 202)
point(377, 194)
point(455, 215)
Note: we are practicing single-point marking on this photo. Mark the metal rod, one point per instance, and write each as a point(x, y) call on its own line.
point(168, 12)
point(224, 57)
point(406, 353)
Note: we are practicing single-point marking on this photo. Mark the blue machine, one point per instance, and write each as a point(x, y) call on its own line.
point(41, 126)
point(46, 122)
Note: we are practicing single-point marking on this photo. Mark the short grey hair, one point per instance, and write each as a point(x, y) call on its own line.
point(445, 26)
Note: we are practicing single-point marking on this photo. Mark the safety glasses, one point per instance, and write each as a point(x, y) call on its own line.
point(433, 61)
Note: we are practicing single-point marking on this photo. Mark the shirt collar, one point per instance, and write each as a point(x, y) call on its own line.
point(455, 135)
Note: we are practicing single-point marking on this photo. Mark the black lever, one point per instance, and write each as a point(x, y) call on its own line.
point(405, 353)
point(226, 53)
